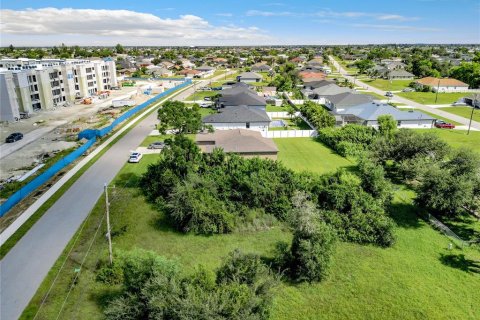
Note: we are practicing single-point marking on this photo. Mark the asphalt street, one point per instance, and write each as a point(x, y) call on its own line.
point(23, 269)
point(399, 99)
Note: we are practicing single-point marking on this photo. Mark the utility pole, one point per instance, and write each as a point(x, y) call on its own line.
point(109, 234)
point(438, 87)
point(474, 101)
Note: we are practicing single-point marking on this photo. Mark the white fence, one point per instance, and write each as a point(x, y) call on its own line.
point(281, 115)
point(290, 134)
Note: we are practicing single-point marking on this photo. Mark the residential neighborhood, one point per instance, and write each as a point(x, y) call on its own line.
point(249, 160)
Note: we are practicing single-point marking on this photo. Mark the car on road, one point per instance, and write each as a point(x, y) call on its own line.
point(156, 145)
point(14, 137)
point(135, 157)
point(389, 94)
point(444, 125)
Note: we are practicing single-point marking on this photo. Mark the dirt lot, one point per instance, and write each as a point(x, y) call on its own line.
point(47, 132)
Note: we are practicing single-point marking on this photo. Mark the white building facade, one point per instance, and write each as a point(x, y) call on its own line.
point(45, 84)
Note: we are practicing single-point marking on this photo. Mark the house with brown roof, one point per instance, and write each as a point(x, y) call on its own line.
point(443, 84)
point(246, 143)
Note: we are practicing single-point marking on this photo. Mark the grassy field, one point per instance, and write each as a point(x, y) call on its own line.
point(464, 112)
point(459, 138)
point(272, 108)
point(429, 97)
point(417, 278)
point(387, 85)
point(291, 125)
point(302, 154)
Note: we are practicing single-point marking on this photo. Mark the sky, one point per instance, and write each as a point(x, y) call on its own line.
point(246, 22)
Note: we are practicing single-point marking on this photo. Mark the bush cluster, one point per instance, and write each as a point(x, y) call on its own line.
point(317, 115)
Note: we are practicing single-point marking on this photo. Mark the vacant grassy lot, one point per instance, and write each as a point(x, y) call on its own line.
point(303, 154)
point(418, 278)
point(387, 85)
point(429, 97)
point(272, 108)
point(464, 112)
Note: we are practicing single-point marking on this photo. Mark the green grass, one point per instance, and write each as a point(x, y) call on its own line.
point(406, 281)
point(291, 125)
point(303, 154)
point(345, 65)
point(464, 112)
point(272, 108)
point(387, 85)
point(429, 97)
point(199, 95)
point(459, 138)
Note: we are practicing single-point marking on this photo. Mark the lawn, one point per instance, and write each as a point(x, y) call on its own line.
point(387, 85)
point(272, 108)
point(459, 138)
point(417, 278)
point(302, 154)
point(464, 112)
point(291, 125)
point(429, 97)
point(199, 95)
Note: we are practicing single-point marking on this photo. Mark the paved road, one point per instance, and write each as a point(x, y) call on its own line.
point(399, 99)
point(28, 262)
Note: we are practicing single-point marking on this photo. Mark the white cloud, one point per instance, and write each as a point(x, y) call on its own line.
point(396, 17)
point(270, 13)
point(226, 14)
point(125, 25)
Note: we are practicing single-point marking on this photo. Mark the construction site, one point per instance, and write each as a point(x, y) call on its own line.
point(49, 134)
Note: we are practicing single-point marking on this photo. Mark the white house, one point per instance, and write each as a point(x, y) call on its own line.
point(249, 77)
point(239, 117)
point(443, 84)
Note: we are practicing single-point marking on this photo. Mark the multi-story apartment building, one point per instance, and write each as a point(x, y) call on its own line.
point(28, 85)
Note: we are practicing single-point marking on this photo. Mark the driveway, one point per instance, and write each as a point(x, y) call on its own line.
point(416, 105)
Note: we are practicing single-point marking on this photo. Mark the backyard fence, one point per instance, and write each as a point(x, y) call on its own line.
point(89, 134)
point(290, 134)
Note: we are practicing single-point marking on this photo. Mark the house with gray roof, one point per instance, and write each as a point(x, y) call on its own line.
point(345, 100)
point(238, 117)
point(261, 67)
point(316, 84)
point(246, 143)
point(241, 94)
point(368, 113)
point(249, 77)
point(328, 90)
point(399, 75)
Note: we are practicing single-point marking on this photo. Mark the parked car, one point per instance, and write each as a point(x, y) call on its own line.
point(135, 157)
point(14, 137)
point(216, 88)
point(444, 125)
point(207, 99)
point(156, 145)
point(389, 94)
point(205, 105)
point(408, 90)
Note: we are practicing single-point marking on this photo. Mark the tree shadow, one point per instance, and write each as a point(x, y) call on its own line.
point(104, 296)
point(404, 215)
point(460, 262)
point(461, 225)
point(127, 180)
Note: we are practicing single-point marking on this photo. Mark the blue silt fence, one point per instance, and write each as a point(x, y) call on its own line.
point(89, 134)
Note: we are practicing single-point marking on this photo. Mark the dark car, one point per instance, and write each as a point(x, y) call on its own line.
point(389, 94)
point(444, 125)
point(14, 137)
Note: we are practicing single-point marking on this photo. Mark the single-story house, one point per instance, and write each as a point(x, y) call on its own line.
point(399, 74)
point(167, 64)
point(368, 113)
point(443, 84)
point(311, 76)
point(189, 73)
point(395, 65)
point(269, 91)
point(326, 91)
point(261, 67)
point(246, 143)
point(241, 94)
point(159, 71)
point(310, 85)
point(206, 71)
point(238, 117)
point(345, 100)
point(249, 77)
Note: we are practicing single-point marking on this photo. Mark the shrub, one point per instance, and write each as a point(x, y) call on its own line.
point(317, 115)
